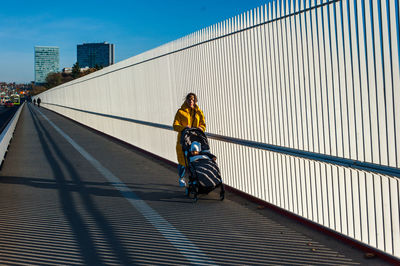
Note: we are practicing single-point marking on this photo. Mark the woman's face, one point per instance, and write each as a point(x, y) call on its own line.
point(190, 101)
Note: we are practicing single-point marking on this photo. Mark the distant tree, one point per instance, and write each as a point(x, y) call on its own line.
point(86, 72)
point(98, 67)
point(66, 77)
point(76, 70)
point(53, 80)
point(36, 89)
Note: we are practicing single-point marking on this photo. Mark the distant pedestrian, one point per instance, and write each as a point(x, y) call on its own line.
point(38, 102)
point(188, 116)
point(34, 101)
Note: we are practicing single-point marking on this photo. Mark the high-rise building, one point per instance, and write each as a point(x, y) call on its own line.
point(95, 54)
point(47, 60)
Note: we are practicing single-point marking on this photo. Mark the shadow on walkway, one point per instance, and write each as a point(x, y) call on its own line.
point(80, 229)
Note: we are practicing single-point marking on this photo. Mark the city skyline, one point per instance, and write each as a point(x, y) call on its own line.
point(132, 26)
point(47, 60)
point(95, 54)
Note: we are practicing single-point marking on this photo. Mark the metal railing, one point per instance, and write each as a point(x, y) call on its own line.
point(7, 133)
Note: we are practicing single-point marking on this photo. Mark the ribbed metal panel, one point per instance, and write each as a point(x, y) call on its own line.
point(319, 78)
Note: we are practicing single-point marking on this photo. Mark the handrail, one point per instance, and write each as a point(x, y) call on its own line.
point(7, 133)
point(359, 165)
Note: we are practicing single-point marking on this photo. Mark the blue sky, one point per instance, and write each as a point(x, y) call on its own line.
point(133, 26)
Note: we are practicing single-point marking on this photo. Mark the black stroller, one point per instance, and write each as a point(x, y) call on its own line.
point(204, 173)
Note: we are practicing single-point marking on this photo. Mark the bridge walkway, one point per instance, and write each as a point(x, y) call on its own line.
point(69, 195)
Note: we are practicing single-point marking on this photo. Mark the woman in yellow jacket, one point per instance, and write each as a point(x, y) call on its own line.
point(189, 115)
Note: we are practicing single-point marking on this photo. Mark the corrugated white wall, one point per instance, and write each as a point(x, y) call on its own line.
point(316, 77)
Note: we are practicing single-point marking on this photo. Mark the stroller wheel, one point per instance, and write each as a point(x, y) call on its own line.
point(194, 190)
point(222, 195)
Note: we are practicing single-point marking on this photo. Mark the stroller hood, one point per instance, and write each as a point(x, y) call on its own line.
point(190, 135)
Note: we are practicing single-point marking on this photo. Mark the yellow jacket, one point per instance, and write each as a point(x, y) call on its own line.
point(186, 116)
